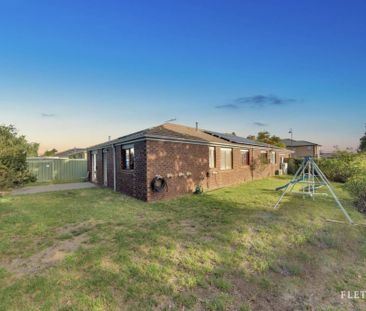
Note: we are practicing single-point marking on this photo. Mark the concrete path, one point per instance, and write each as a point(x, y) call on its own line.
point(51, 188)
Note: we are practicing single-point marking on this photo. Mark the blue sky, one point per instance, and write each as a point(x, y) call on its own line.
point(74, 72)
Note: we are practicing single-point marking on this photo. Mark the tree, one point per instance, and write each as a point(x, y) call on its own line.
point(363, 143)
point(33, 150)
point(50, 153)
point(265, 137)
point(14, 149)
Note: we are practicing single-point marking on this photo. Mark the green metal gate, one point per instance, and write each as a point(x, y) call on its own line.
point(58, 169)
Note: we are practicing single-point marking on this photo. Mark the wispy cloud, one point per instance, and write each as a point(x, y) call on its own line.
point(260, 124)
point(257, 101)
point(48, 115)
point(227, 106)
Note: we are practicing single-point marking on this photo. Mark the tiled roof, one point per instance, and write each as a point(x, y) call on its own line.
point(167, 130)
point(297, 143)
point(240, 140)
point(184, 132)
point(181, 132)
point(70, 152)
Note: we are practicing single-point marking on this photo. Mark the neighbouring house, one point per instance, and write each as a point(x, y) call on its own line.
point(74, 153)
point(181, 158)
point(302, 148)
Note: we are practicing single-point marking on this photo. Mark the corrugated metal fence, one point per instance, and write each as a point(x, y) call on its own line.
point(62, 169)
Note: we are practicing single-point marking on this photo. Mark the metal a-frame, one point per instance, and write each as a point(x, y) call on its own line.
point(313, 178)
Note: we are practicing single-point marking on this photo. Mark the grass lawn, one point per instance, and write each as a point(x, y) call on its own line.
point(223, 250)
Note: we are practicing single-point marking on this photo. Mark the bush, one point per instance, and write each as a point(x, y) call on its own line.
point(339, 168)
point(293, 165)
point(13, 156)
point(357, 186)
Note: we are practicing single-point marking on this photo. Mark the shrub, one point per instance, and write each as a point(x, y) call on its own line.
point(293, 165)
point(13, 156)
point(339, 168)
point(357, 186)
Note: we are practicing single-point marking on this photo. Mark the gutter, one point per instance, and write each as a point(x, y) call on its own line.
point(181, 140)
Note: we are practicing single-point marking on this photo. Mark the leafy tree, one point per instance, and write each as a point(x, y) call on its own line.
point(50, 153)
point(265, 137)
point(32, 150)
point(14, 149)
point(363, 143)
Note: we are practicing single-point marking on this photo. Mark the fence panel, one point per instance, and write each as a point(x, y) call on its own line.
point(58, 169)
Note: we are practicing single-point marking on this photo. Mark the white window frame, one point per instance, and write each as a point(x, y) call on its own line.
point(212, 157)
point(282, 158)
point(226, 159)
point(273, 157)
point(94, 166)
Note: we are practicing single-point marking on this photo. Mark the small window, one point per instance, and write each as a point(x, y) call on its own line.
point(212, 157)
point(263, 157)
point(128, 157)
point(273, 157)
point(226, 158)
point(244, 157)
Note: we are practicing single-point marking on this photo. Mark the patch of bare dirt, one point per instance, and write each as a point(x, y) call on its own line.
point(46, 258)
point(73, 237)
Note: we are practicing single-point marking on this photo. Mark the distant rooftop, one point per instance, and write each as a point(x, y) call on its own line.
point(297, 143)
point(69, 152)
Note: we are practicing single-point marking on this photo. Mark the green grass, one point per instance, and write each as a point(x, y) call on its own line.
point(222, 250)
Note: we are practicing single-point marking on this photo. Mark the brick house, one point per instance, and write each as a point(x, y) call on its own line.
point(184, 157)
point(302, 148)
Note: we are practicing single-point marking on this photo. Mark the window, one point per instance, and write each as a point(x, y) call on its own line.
point(263, 157)
point(273, 157)
point(244, 157)
point(282, 158)
point(128, 157)
point(212, 158)
point(226, 158)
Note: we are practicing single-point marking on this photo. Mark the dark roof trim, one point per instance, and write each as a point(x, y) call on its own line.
point(118, 142)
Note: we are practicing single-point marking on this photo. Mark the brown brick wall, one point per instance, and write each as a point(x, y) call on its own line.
point(165, 158)
point(177, 159)
point(239, 173)
point(100, 167)
point(109, 156)
point(132, 182)
point(89, 165)
point(303, 151)
point(186, 163)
